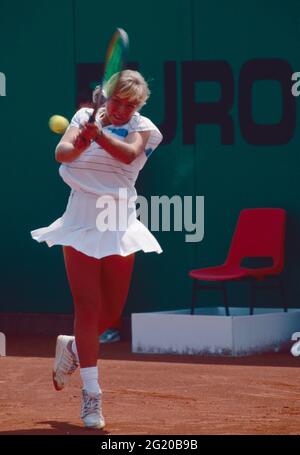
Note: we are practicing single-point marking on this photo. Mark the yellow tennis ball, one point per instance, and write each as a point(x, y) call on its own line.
point(58, 124)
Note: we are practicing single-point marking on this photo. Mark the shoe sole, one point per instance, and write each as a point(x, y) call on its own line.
point(58, 355)
point(100, 426)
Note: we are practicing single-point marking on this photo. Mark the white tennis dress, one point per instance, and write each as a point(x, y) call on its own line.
point(100, 219)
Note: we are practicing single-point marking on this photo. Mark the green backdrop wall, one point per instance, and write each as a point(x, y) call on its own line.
point(41, 48)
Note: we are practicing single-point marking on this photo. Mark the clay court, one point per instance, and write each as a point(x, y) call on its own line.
point(152, 394)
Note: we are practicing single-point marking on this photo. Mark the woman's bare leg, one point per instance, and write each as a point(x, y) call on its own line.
point(84, 279)
point(116, 272)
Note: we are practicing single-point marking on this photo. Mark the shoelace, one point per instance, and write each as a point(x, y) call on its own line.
point(72, 368)
point(91, 405)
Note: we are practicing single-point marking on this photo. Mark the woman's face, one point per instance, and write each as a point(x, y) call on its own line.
point(120, 110)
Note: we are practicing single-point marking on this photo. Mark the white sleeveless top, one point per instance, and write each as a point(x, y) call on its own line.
point(96, 171)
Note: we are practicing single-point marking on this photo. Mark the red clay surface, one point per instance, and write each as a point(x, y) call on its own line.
point(151, 394)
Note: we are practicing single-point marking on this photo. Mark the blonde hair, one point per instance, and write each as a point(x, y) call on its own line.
point(131, 85)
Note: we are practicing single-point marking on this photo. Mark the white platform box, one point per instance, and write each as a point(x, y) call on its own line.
point(213, 333)
point(2, 345)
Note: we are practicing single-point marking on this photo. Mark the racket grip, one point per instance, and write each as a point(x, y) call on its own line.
point(92, 117)
point(99, 100)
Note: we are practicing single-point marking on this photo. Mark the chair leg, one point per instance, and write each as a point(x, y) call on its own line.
point(194, 296)
point(225, 300)
point(252, 298)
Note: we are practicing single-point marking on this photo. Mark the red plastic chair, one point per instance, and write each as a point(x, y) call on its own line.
point(256, 253)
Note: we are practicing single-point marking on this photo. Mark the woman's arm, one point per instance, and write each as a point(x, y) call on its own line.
point(124, 151)
point(75, 141)
point(71, 145)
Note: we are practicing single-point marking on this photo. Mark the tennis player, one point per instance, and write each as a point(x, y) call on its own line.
point(100, 162)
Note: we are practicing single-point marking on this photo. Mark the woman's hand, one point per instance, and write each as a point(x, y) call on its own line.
point(88, 133)
point(75, 141)
point(91, 130)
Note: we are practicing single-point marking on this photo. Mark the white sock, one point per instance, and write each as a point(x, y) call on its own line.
point(89, 378)
point(74, 350)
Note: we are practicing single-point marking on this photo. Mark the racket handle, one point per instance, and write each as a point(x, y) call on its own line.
point(93, 115)
point(100, 100)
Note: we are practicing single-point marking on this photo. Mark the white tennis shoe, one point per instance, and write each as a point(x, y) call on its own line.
point(91, 410)
point(65, 362)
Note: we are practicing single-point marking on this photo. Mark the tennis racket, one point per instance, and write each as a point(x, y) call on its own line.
point(115, 60)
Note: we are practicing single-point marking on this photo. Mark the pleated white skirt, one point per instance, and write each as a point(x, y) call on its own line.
point(78, 228)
